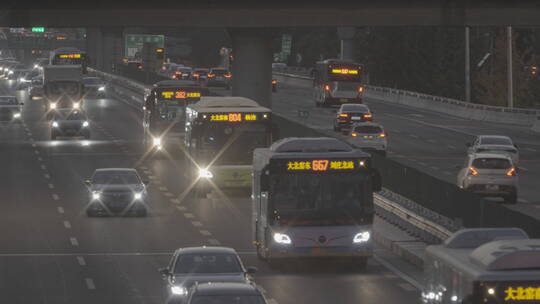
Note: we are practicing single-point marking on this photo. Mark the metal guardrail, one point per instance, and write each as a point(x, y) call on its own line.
point(430, 230)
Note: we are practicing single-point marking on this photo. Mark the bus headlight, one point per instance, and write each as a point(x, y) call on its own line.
point(281, 238)
point(157, 141)
point(361, 237)
point(85, 124)
point(96, 195)
point(205, 173)
point(137, 195)
point(76, 105)
point(17, 115)
point(55, 124)
point(178, 290)
point(52, 106)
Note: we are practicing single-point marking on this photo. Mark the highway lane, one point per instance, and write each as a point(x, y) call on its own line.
point(58, 255)
point(431, 142)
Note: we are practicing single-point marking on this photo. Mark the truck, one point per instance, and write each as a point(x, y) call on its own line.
point(63, 86)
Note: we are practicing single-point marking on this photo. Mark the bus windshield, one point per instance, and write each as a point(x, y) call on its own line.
point(233, 143)
point(319, 199)
point(169, 116)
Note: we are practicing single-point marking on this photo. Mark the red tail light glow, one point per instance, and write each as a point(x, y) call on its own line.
point(511, 172)
point(473, 171)
point(327, 87)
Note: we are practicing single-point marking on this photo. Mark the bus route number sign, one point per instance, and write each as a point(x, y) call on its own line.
point(69, 56)
point(320, 165)
point(344, 71)
point(179, 95)
point(234, 117)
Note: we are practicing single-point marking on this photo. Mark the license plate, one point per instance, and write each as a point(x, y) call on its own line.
point(368, 137)
point(492, 187)
point(356, 118)
point(343, 100)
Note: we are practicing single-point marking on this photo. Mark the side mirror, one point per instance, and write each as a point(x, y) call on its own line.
point(251, 270)
point(88, 182)
point(468, 145)
point(164, 271)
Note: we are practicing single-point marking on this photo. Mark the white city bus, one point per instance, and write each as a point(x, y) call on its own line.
point(313, 198)
point(483, 266)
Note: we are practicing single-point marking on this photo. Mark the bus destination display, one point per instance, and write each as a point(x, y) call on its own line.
point(345, 71)
point(322, 165)
point(69, 56)
point(179, 95)
point(235, 117)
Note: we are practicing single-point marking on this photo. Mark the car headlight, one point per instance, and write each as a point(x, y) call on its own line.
point(205, 173)
point(55, 124)
point(10, 72)
point(17, 115)
point(52, 105)
point(178, 290)
point(85, 124)
point(362, 237)
point(36, 66)
point(101, 89)
point(157, 141)
point(137, 196)
point(76, 105)
point(281, 238)
point(96, 195)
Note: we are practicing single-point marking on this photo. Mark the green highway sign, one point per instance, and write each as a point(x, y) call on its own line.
point(38, 30)
point(134, 43)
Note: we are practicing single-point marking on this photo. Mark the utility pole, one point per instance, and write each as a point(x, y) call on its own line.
point(510, 67)
point(467, 65)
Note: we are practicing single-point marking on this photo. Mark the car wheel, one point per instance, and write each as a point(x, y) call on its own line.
point(511, 199)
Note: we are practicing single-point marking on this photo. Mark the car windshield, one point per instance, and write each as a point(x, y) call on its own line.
point(92, 81)
point(368, 129)
point(8, 101)
point(491, 163)
point(319, 199)
point(115, 178)
point(207, 263)
point(354, 108)
point(495, 141)
point(227, 299)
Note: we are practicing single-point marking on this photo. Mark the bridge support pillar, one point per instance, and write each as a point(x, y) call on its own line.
point(346, 35)
point(112, 48)
point(252, 64)
point(94, 47)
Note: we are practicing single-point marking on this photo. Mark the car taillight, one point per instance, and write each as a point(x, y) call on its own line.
point(368, 116)
point(327, 87)
point(228, 75)
point(211, 75)
point(343, 115)
point(383, 134)
point(473, 171)
point(274, 81)
point(511, 172)
point(360, 89)
point(354, 134)
point(195, 75)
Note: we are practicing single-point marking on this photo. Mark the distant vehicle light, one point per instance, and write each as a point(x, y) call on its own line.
point(17, 115)
point(205, 173)
point(137, 196)
point(76, 105)
point(281, 238)
point(52, 105)
point(383, 134)
point(101, 89)
point(85, 124)
point(178, 290)
point(157, 141)
point(55, 124)
point(362, 237)
point(96, 195)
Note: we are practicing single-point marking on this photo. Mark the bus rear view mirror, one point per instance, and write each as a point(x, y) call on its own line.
point(376, 181)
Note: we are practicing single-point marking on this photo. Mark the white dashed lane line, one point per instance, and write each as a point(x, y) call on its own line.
point(168, 194)
point(55, 197)
point(174, 201)
point(39, 158)
point(74, 241)
point(43, 167)
point(214, 242)
point(90, 284)
point(205, 232)
point(530, 149)
point(60, 210)
point(413, 136)
point(47, 176)
point(81, 261)
point(181, 208)
point(432, 141)
point(163, 189)
point(189, 215)
point(450, 147)
point(51, 186)
point(67, 224)
point(36, 152)
point(196, 223)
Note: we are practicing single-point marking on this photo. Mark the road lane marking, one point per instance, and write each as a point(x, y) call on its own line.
point(33, 145)
point(205, 232)
point(524, 201)
point(51, 186)
point(181, 208)
point(43, 167)
point(530, 149)
point(60, 210)
point(143, 167)
point(407, 286)
point(163, 189)
point(413, 136)
point(434, 168)
point(174, 201)
point(81, 261)
point(74, 241)
point(451, 147)
point(56, 197)
point(431, 141)
point(422, 164)
point(151, 177)
point(47, 176)
point(189, 215)
point(199, 224)
point(39, 158)
point(168, 194)
point(214, 242)
point(447, 173)
point(90, 283)
point(36, 151)
point(67, 224)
